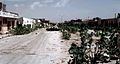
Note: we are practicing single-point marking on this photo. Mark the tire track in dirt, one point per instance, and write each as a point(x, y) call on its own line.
point(21, 44)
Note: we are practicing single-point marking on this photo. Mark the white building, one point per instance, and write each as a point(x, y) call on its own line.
point(27, 22)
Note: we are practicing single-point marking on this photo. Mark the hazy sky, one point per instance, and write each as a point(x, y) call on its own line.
point(64, 9)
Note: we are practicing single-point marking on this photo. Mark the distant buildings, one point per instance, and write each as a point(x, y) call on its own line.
point(34, 22)
point(27, 22)
point(44, 22)
point(115, 22)
point(102, 22)
point(77, 21)
point(8, 20)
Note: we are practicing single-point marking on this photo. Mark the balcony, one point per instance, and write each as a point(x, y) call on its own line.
point(8, 14)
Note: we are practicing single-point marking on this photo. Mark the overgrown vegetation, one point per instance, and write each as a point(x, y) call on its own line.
point(106, 47)
point(72, 28)
point(21, 30)
point(66, 35)
point(52, 29)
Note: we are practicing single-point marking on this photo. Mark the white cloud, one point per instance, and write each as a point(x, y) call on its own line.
point(18, 5)
point(22, 4)
point(36, 4)
point(62, 3)
point(14, 0)
point(48, 1)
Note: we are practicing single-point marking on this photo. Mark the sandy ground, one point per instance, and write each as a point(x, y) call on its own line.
point(112, 62)
point(39, 47)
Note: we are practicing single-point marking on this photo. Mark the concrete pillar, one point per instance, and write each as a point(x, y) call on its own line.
point(0, 23)
point(4, 28)
point(10, 25)
point(15, 23)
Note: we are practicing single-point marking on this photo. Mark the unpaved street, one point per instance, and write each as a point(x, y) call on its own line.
point(39, 47)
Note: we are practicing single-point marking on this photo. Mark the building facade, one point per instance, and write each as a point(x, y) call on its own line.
point(103, 22)
point(8, 20)
point(44, 22)
point(27, 22)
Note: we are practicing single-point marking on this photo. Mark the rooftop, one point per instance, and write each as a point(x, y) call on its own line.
point(9, 14)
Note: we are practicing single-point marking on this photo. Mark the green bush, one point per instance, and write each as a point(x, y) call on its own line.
point(66, 35)
point(53, 29)
point(21, 30)
point(37, 27)
point(73, 29)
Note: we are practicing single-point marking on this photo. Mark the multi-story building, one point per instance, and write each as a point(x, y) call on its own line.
point(8, 20)
point(29, 22)
point(44, 22)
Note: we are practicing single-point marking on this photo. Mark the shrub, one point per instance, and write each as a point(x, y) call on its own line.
point(37, 27)
point(66, 35)
point(73, 29)
point(21, 30)
point(52, 29)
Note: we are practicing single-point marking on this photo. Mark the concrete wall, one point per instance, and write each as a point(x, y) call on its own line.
point(4, 28)
point(7, 24)
point(28, 21)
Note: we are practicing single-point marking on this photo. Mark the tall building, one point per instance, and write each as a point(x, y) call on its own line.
point(8, 20)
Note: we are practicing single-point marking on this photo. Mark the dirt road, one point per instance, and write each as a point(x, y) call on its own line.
point(39, 47)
